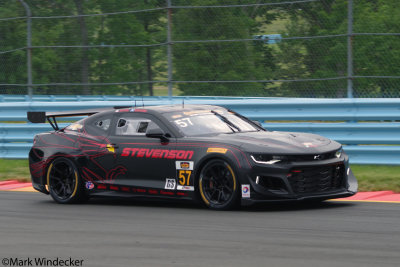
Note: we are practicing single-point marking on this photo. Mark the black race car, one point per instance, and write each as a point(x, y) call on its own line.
point(192, 152)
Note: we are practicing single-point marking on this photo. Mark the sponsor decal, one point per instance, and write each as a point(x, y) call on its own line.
point(245, 191)
point(75, 126)
point(185, 187)
point(101, 186)
point(125, 189)
point(195, 112)
point(184, 165)
point(217, 150)
point(309, 145)
point(89, 185)
point(170, 184)
point(168, 193)
point(110, 148)
point(156, 153)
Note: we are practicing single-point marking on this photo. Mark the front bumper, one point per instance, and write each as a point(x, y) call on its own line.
point(298, 181)
point(320, 197)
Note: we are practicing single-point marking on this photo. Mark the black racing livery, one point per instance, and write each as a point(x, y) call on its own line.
point(194, 152)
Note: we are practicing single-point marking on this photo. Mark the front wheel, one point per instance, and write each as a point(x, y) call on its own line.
point(218, 185)
point(64, 183)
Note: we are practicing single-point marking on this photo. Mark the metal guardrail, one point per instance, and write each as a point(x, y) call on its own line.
point(74, 98)
point(368, 128)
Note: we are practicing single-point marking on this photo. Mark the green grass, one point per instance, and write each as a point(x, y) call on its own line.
point(370, 177)
point(377, 178)
point(14, 169)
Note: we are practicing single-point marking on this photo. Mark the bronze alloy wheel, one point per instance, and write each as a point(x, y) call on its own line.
point(63, 181)
point(218, 185)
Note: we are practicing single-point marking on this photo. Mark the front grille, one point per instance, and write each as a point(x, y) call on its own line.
point(318, 179)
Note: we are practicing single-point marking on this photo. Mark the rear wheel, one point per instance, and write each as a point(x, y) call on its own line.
point(218, 186)
point(64, 183)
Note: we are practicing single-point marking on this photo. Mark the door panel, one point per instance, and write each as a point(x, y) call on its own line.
point(97, 160)
point(148, 161)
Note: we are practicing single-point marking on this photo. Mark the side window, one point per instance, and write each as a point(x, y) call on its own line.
point(134, 126)
point(103, 124)
point(142, 126)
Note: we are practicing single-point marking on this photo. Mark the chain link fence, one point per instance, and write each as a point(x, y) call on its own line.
point(299, 48)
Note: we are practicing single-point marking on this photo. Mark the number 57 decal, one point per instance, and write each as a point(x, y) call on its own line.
point(184, 177)
point(184, 174)
point(183, 122)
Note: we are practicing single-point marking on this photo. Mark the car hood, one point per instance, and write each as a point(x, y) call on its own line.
point(282, 142)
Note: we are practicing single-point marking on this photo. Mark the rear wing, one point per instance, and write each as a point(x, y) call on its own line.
point(42, 116)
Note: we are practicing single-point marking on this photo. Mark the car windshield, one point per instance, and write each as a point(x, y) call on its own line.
point(202, 122)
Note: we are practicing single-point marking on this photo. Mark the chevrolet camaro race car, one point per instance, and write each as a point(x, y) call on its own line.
point(193, 152)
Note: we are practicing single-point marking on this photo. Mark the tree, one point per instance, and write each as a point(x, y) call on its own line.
point(12, 36)
point(217, 61)
point(85, 50)
point(314, 58)
point(61, 64)
point(155, 31)
point(327, 57)
point(127, 64)
point(377, 55)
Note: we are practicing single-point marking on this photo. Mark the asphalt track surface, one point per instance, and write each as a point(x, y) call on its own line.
point(126, 232)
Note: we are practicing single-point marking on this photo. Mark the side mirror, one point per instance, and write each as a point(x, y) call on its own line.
point(156, 133)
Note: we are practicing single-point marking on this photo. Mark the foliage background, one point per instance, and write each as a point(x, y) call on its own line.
point(119, 47)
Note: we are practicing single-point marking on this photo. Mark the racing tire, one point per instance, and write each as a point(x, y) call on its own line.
point(218, 186)
point(64, 183)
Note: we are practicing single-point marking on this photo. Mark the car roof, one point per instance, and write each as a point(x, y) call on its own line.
point(182, 108)
point(157, 110)
point(170, 108)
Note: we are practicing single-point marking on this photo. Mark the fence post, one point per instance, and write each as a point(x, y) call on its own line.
point(350, 48)
point(169, 49)
point(28, 46)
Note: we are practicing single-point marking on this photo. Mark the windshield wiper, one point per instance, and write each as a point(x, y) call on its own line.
point(228, 122)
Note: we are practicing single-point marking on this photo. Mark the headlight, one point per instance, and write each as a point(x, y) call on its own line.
point(267, 159)
point(338, 153)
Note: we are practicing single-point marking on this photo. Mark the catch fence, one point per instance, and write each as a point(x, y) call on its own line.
point(273, 48)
